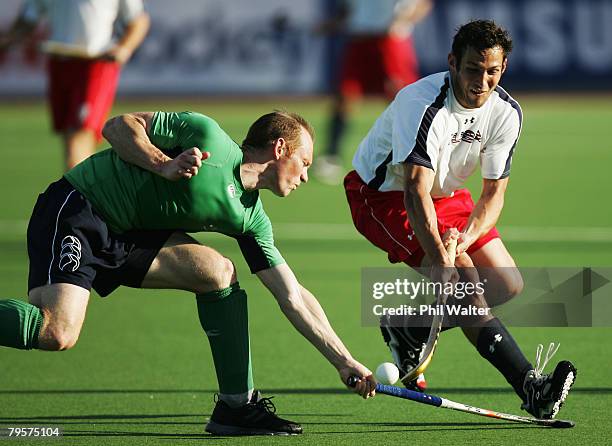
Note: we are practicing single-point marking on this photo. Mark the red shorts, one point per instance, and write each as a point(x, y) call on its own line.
point(81, 92)
point(378, 65)
point(381, 217)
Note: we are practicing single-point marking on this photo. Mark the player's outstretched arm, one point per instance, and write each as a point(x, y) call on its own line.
point(128, 136)
point(305, 313)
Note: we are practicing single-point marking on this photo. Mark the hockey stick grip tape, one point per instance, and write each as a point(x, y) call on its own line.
point(408, 394)
point(400, 392)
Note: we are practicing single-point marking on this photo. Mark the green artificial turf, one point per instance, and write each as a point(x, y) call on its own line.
point(142, 371)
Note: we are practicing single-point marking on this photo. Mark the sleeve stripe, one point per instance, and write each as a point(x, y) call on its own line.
point(381, 172)
point(253, 253)
point(419, 161)
point(419, 154)
point(503, 95)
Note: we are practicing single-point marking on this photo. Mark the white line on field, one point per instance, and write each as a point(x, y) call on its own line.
point(341, 231)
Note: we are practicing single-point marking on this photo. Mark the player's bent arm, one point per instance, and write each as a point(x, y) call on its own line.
point(418, 181)
point(409, 13)
point(306, 315)
point(132, 37)
point(485, 213)
point(129, 136)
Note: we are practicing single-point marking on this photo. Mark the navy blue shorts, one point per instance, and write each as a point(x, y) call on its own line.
point(69, 242)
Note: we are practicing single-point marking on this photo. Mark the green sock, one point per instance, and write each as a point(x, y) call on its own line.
point(20, 324)
point(224, 317)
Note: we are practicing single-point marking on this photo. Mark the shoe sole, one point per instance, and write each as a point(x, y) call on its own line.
point(234, 431)
point(561, 395)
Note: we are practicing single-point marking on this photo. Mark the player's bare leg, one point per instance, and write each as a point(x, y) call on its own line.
point(496, 265)
point(542, 394)
point(79, 144)
point(183, 263)
point(406, 343)
point(471, 325)
point(488, 334)
point(63, 306)
point(52, 320)
point(485, 332)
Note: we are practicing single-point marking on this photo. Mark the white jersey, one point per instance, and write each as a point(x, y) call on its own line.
point(82, 28)
point(374, 17)
point(425, 125)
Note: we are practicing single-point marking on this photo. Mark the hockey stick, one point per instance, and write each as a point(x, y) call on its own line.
point(437, 401)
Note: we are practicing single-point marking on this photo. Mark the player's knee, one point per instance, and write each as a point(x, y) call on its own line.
point(58, 339)
point(503, 286)
point(513, 283)
point(224, 275)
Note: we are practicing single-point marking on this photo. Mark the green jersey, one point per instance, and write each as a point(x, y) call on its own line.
point(131, 198)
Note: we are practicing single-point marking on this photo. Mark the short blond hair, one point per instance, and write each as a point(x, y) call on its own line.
point(277, 124)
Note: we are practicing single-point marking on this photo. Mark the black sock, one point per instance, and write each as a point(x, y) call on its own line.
point(337, 126)
point(497, 346)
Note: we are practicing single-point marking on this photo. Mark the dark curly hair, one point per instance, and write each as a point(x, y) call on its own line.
point(481, 35)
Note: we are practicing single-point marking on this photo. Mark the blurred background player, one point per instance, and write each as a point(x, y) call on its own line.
point(378, 59)
point(407, 197)
point(85, 59)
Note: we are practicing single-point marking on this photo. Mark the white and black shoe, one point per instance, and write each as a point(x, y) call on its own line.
point(546, 393)
point(405, 350)
point(257, 417)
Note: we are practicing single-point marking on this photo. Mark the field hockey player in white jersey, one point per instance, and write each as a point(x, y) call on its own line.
point(406, 196)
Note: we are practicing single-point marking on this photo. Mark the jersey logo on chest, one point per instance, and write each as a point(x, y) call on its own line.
point(467, 136)
point(231, 190)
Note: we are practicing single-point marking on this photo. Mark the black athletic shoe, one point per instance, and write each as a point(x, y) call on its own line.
point(546, 393)
point(406, 352)
point(257, 417)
